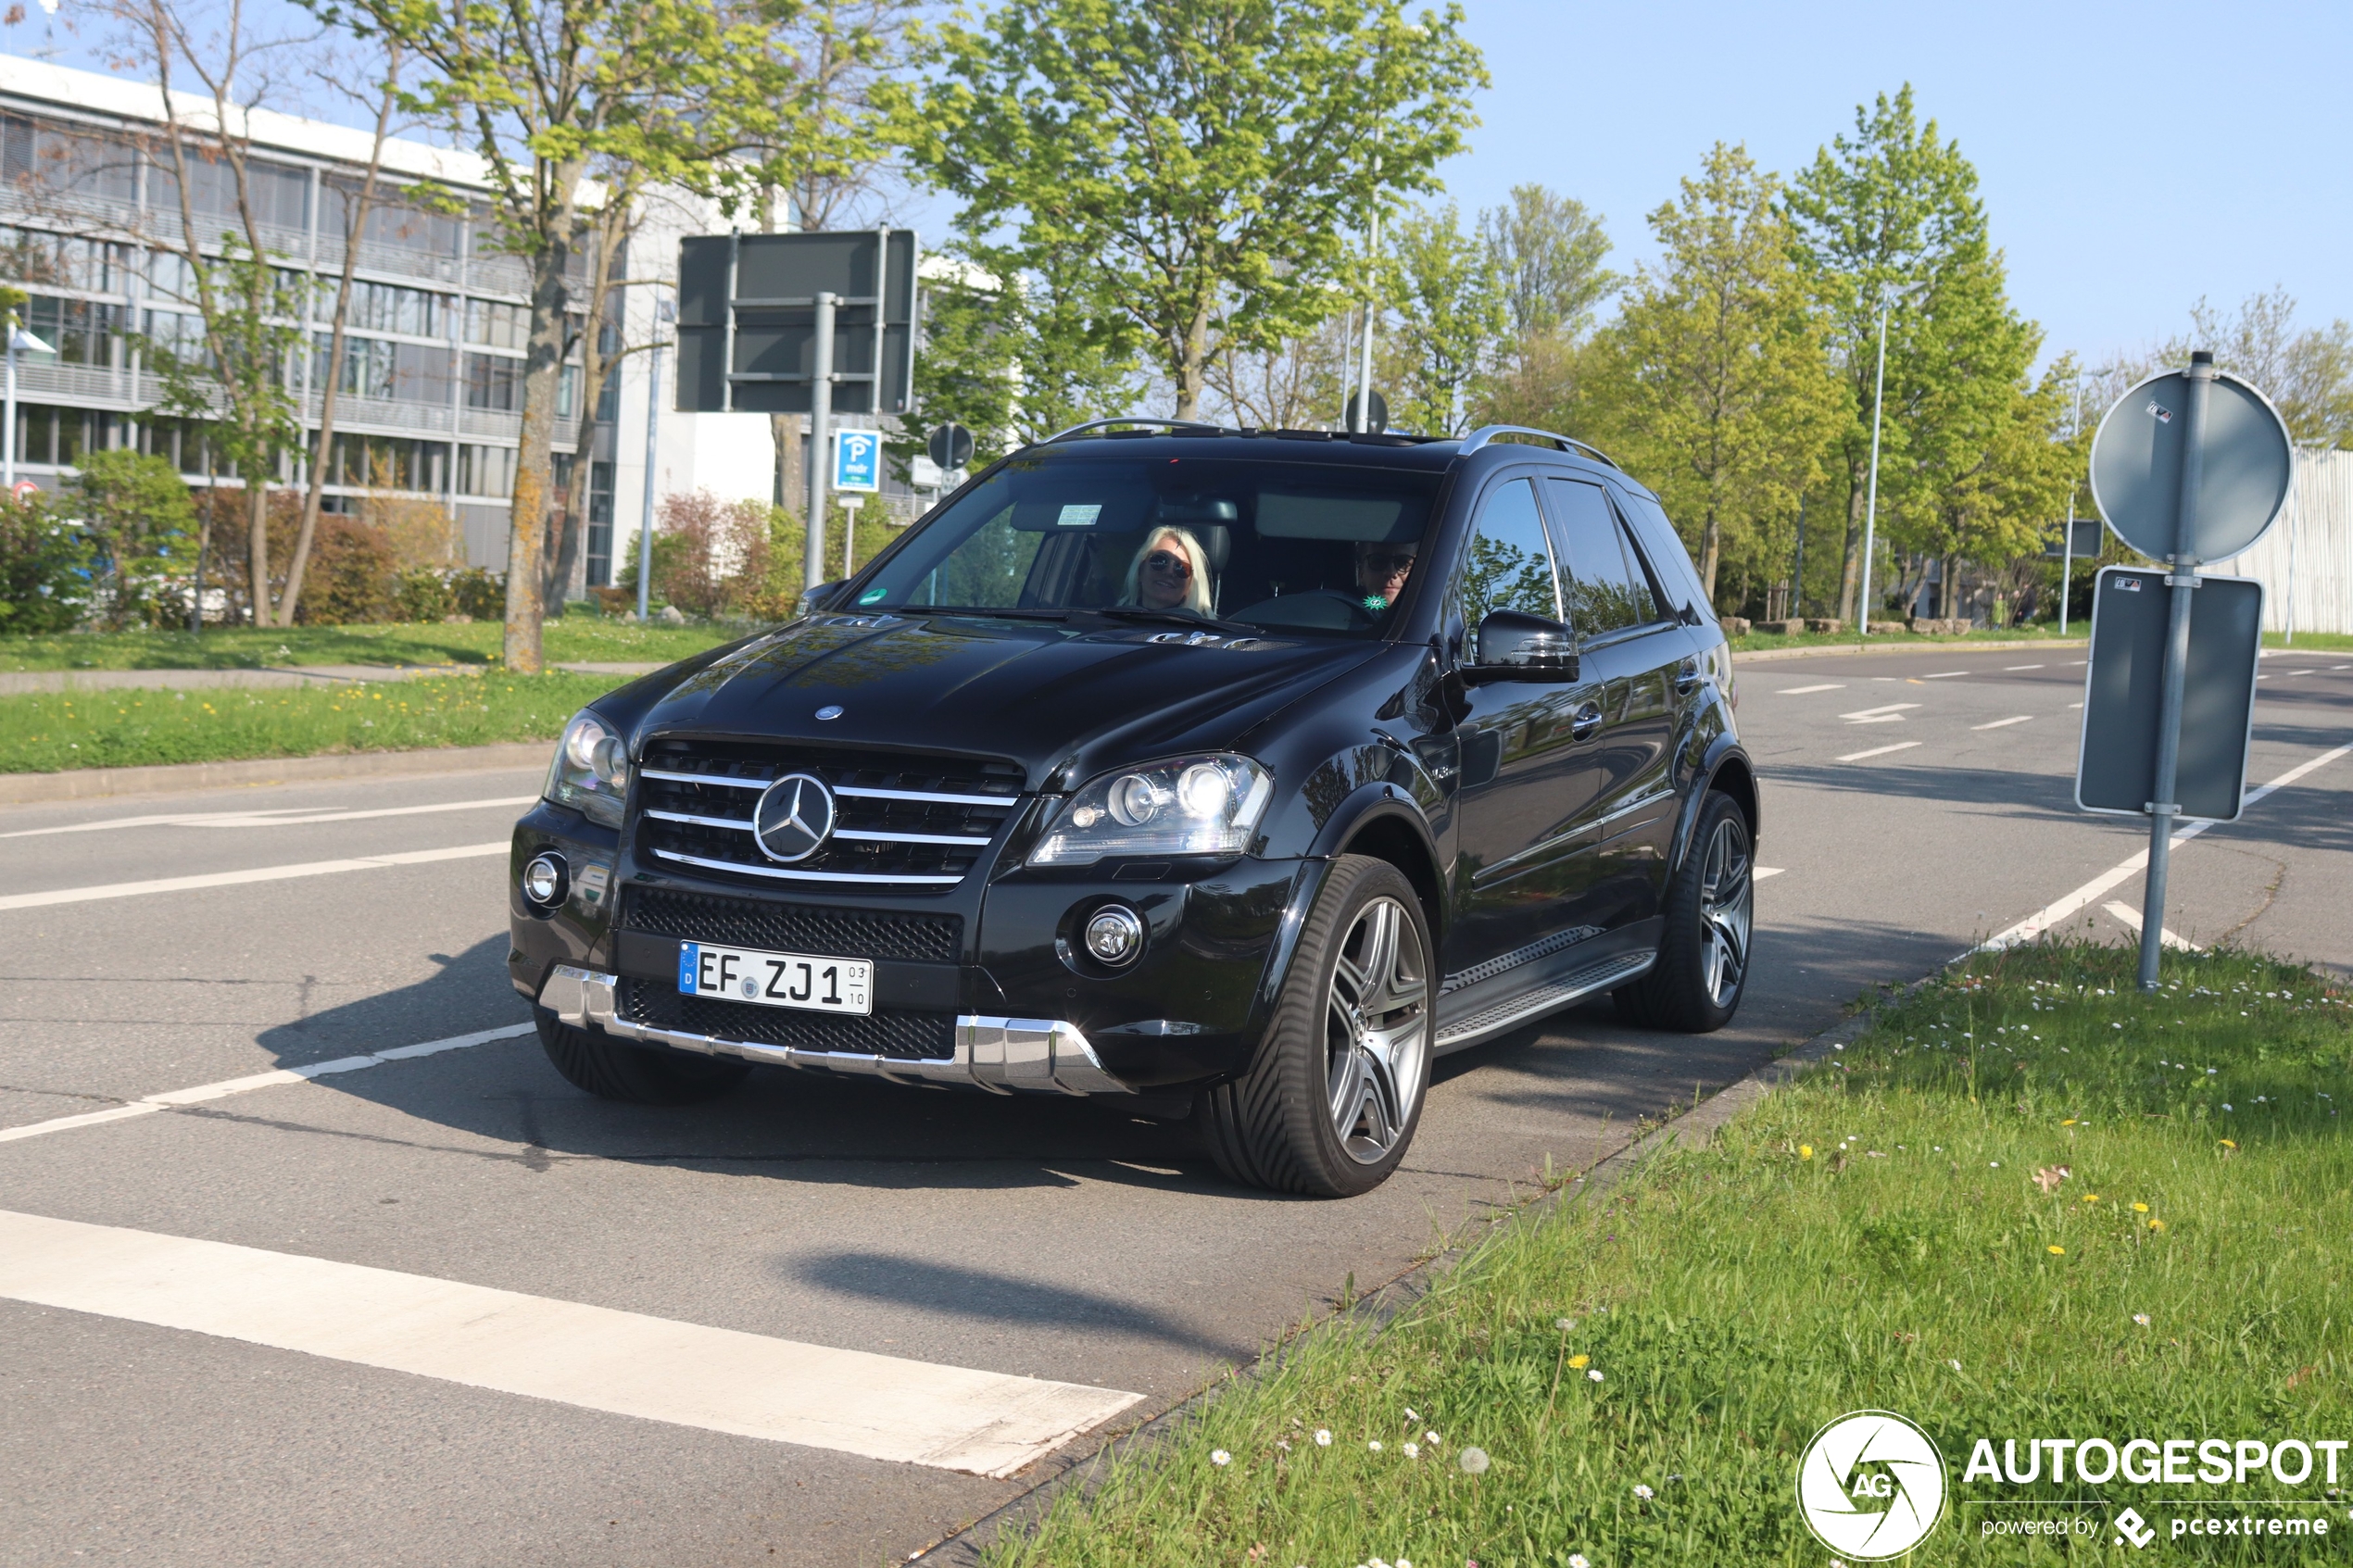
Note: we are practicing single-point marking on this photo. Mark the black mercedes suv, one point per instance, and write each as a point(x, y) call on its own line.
point(1241, 773)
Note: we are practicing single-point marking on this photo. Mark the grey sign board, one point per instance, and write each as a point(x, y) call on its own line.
point(2084, 545)
point(2245, 468)
point(2117, 768)
point(747, 321)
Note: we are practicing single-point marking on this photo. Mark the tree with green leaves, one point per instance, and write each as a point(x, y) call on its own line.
point(1546, 253)
point(1206, 164)
point(1714, 381)
point(552, 94)
point(142, 524)
point(1451, 314)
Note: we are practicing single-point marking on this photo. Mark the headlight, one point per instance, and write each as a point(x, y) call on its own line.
point(591, 770)
point(1185, 806)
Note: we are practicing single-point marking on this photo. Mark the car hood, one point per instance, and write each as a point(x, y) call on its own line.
point(1059, 699)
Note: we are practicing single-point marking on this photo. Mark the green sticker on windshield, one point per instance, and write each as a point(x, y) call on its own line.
point(1375, 603)
point(872, 597)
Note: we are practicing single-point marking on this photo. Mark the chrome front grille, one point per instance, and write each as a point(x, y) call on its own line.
point(910, 821)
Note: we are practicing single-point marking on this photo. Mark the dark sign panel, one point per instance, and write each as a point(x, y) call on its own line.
point(2117, 768)
point(747, 312)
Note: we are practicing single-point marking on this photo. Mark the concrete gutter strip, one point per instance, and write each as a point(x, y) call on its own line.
point(1376, 1311)
point(1901, 645)
point(91, 784)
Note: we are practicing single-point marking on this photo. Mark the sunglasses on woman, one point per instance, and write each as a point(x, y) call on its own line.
point(1161, 560)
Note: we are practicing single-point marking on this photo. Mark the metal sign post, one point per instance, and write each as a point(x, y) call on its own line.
point(821, 414)
point(2201, 489)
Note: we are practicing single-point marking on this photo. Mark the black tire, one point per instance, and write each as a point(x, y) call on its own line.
point(611, 1069)
point(1704, 956)
point(1279, 1125)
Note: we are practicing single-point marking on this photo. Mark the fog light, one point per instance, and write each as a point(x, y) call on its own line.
point(546, 880)
point(1114, 934)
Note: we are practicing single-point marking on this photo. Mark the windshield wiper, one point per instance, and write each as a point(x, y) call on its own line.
point(985, 612)
point(1170, 617)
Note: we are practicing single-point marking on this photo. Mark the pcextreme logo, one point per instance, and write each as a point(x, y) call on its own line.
point(1871, 1486)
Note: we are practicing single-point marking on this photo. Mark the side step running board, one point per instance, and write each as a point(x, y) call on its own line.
point(1604, 976)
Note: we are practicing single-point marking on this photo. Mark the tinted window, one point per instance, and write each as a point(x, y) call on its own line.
point(1606, 589)
point(1509, 565)
point(1289, 546)
point(1676, 576)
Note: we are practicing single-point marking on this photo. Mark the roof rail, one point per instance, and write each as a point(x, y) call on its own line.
point(1487, 433)
point(1098, 424)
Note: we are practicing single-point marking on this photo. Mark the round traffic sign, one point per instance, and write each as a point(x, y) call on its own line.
point(1379, 406)
point(2247, 464)
point(950, 447)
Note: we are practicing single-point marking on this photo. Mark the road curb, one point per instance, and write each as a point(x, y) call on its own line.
point(1766, 655)
point(181, 778)
point(1378, 1309)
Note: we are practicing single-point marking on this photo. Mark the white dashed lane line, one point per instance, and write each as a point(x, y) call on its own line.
point(1947, 674)
point(290, 817)
point(257, 873)
point(1761, 872)
point(1801, 690)
point(2005, 724)
point(203, 1093)
point(1879, 751)
point(2012, 669)
point(595, 1358)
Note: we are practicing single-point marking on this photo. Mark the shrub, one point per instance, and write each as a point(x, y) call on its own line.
point(46, 565)
point(480, 593)
point(349, 580)
point(142, 526)
point(721, 560)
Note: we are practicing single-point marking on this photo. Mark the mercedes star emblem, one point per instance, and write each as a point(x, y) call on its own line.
point(793, 818)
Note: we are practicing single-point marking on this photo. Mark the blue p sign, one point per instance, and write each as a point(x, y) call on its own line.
point(858, 460)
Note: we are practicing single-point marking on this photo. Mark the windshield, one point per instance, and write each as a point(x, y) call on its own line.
point(1288, 545)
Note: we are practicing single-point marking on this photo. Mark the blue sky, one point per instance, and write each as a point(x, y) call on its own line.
point(2133, 155)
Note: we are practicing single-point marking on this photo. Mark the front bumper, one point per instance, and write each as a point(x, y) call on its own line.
point(1001, 1055)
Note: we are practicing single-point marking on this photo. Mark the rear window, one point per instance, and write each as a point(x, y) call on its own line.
point(1281, 545)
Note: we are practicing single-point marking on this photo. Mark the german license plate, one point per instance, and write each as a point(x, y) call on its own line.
point(776, 980)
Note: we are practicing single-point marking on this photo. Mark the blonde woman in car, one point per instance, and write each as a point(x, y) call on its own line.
point(1170, 573)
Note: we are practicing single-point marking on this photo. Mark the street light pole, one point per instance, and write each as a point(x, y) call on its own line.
point(664, 313)
point(1870, 506)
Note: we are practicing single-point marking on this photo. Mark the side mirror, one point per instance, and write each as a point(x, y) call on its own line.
point(1514, 646)
point(811, 599)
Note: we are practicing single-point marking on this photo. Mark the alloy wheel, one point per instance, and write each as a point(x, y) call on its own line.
point(1727, 893)
point(1376, 1029)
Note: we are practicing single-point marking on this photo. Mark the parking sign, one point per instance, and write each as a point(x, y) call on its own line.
point(858, 460)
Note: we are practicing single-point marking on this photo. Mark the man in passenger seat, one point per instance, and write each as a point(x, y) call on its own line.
point(1382, 570)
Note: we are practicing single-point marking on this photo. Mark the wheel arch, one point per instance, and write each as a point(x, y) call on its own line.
point(1727, 770)
point(1383, 822)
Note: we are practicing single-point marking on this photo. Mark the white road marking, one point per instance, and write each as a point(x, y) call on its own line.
point(1947, 674)
point(1879, 751)
point(1801, 690)
point(2005, 724)
point(2131, 918)
point(2081, 662)
point(628, 1363)
point(2075, 705)
point(2341, 667)
point(1761, 872)
point(227, 1086)
point(1878, 715)
point(2091, 892)
point(257, 873)
point(2008, 669)
point(2262, 677)
point(291, 816)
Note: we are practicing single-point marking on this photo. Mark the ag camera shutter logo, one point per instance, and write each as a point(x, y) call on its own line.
point(1871, 1486)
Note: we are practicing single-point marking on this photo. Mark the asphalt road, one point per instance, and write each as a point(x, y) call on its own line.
point(1915, 802)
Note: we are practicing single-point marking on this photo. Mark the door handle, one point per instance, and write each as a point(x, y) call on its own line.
point(1686, 681)
point(1584, 721)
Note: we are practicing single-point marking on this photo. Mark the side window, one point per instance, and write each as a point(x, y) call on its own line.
point(1678, 578)
point(1606, 591)
point(1509, 566)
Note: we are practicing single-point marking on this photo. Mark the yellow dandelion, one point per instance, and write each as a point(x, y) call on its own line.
point(2139, 1208)
point(2156, 1224)
point(2228, 1144)
point(2091, 1198)
point(2069, 1122)
point(1806, 1151)
point(2056, 1251)
point(1579, 1362)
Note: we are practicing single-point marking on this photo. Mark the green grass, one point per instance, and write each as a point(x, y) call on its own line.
point(2319, 642)
point(53, 732)
point(1872, 1236)
point(581, 638)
